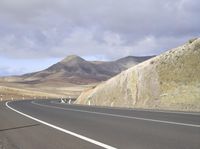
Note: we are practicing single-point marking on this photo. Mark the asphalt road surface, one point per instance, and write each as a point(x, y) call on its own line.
point(51, 125)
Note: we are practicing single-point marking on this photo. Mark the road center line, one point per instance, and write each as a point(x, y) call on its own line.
point(121, 116)
point(64, 130)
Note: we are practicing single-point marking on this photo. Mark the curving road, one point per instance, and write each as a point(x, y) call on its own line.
point(49, 124)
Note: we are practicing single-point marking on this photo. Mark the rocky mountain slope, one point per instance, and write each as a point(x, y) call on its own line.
point(75, 70)
point(68, 77)
point(168, 81)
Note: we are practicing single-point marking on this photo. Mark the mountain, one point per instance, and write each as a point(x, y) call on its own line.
point(168, 81)
point(76, 70)
point(68, 77)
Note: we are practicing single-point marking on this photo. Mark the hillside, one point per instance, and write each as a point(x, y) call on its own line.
point(168, 81)
point(68, 77)
point(76, 70)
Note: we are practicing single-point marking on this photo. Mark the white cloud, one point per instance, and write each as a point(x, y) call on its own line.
point(95, 28)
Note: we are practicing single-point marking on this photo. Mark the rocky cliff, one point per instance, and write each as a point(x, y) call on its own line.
point(168, 81)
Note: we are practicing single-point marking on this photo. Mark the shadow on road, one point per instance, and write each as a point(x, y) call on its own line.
point(19, 127)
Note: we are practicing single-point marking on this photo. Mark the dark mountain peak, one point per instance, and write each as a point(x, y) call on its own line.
point(74, 58)
point(134, 58)
point(127, 58)
point(75, 69)
point(68, 64)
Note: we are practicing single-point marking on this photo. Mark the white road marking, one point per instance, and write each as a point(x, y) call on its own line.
point(134, 109)
point(62, 101)
point(121, 116)
point(64, 130)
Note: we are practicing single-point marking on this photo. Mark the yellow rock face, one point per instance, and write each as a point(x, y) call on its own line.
point(168, 81)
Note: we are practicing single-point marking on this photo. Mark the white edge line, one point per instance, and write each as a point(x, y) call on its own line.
point(121, 116)
point(64, 130)
point(133, 109)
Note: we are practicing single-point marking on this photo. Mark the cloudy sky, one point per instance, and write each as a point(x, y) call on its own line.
point(37, 33)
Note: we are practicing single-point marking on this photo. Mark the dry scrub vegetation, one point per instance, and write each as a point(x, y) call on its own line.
point(15, 91)
point(168, 81)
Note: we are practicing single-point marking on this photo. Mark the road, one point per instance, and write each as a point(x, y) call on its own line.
point(49, 124)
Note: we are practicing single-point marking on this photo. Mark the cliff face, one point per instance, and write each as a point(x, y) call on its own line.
point(168, 81)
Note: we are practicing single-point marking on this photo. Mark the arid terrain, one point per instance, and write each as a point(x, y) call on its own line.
point(168, 81)
point(67, 78)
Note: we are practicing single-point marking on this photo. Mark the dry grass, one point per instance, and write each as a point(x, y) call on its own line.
point(8, 93)
point(10, 90)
